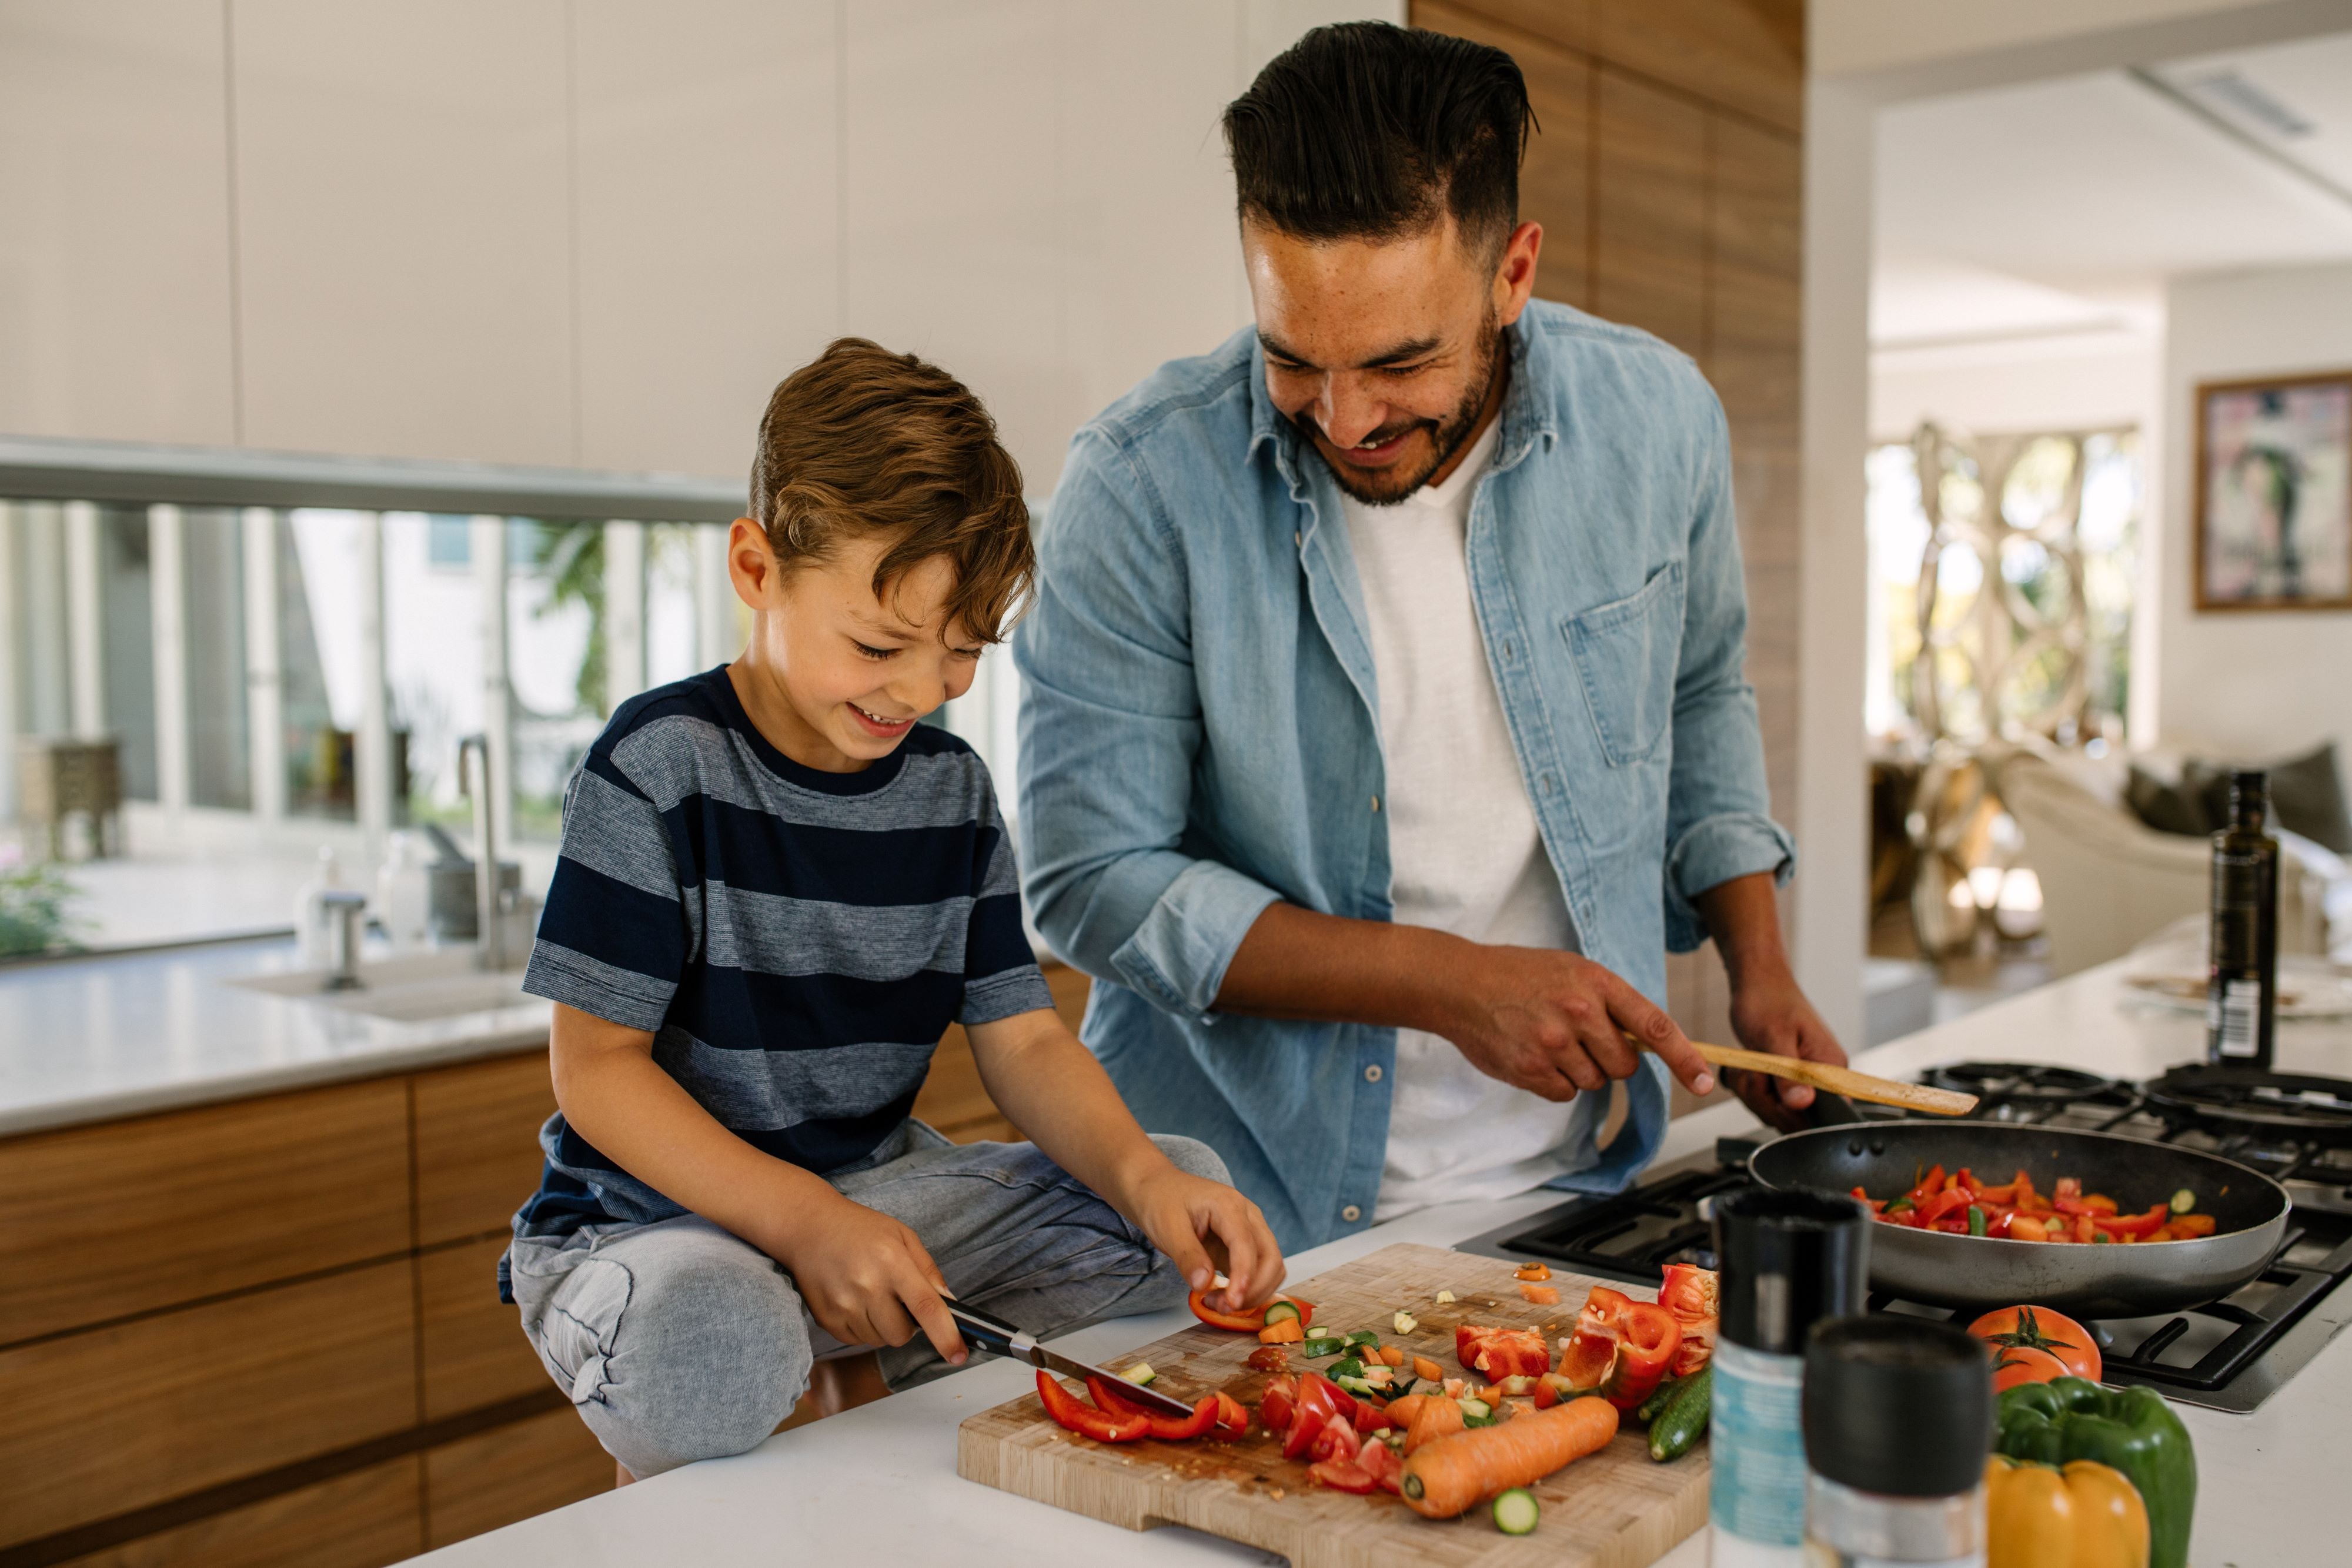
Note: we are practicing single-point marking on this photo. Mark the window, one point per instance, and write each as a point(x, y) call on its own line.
point(213, 625)
point(433, 641)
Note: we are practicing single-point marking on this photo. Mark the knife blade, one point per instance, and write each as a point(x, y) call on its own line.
point(994, 1335)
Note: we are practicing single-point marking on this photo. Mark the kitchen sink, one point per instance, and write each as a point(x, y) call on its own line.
point(419, 989)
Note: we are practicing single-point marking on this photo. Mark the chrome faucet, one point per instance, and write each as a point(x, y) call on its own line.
point(489, 927)
point(345, 908)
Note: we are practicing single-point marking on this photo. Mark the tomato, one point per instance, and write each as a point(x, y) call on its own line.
point(1379, 1461)
point(1322, 1398)
point(1280, 1398)
point(2047, 1332)
point(1371, 1415)
point(2011, 1367)
point(1342, 1475)
point(1268, 1358)
point(1337, 1440)
point(1306, 1426)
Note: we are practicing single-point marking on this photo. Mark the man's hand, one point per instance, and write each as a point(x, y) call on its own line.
point(1207, 1227)
point(866, 1278)
point(1772, 1015)
point(1551, 1022)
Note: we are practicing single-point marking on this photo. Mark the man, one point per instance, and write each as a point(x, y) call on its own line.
point(1384, 722)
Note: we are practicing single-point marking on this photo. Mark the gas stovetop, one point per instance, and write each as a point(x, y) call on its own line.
point(2229, 1355)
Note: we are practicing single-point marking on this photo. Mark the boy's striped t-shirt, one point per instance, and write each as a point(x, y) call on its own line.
point(797, 941)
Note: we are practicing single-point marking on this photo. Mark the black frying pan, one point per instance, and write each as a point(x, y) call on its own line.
point(1885, 1159)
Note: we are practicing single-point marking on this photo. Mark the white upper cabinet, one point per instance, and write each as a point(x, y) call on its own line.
point(115, 318)
point(709, 243)
point(404, 228)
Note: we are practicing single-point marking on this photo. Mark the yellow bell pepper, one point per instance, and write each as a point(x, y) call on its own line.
point(2086, 1516)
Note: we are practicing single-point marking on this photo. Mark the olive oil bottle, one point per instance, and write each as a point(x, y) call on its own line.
point(2241, 977)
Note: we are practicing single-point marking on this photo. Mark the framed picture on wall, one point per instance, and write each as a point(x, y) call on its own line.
point(2274, 493)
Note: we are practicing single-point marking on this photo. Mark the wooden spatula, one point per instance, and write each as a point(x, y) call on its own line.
point(1842, 1081)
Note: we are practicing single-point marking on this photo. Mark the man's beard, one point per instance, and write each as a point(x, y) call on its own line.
point(1386, 486)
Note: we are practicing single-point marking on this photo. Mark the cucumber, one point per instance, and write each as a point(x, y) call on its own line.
point(1515, 1511)
point(1477, 1413)
point(2183, 1201)
point(1140, 1374)
point(1657, 1400)
point(1680, 1424)
point(1317, 1346)
point(1351, 1367)
point(1976, 1220)
point(1356, 1387)
point(1363, 1337)
point(1279, 1312)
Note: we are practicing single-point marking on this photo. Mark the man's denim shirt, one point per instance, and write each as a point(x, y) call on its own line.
point(1198, 735)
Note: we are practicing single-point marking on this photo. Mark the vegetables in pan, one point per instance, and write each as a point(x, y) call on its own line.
point(1450, 1475)
point(1961, 1205)
point(2131, 1429)
point(2087, 1515)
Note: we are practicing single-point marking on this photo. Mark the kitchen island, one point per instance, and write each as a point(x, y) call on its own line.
point(878, 1484)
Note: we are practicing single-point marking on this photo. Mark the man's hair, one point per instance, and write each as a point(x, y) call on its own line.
point(1368, 131)
point(863, 441)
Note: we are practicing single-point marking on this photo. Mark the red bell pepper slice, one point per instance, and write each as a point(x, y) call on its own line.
point(1591, 1357)
point(1168, 1428)
point(1930, 1185)
point(1240, 1323)
point(1233, 1418)
point(1499, 1353)
point(1648, 1337)
point(1695, 1295)
point(1342, 1475)
point(1067, 1410)
point(2135, 1223)
point(1932, 1210)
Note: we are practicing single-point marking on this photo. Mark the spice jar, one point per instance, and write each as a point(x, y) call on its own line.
point(1898, 1419)
point(1788, 1260)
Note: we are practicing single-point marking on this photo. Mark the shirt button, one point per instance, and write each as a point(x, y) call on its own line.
point(1549, 784)
point(1352, 1213)
point(1299, 538)
point(1510, 652)
point(1373, 1074)
point(1376, 802)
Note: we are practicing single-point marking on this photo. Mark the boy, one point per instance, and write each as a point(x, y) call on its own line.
point(775, 893)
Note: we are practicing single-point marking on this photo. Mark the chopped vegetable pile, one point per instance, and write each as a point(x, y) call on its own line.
point(1960, 1205)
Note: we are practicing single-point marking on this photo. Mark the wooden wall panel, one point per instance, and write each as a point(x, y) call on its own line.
point(126, 1217)
point(119, 1418)
point(1555, 182)
point(363, 1520)
point(1650, 211)
point(492, 1479)
point(478, 1144)
point(475, 1354)
point(1747, 55)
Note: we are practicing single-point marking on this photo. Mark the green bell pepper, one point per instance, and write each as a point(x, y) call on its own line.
point(2132, 1429)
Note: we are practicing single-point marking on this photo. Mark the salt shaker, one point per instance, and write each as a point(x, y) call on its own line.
point(1789, 1260)
point(1898, 1419)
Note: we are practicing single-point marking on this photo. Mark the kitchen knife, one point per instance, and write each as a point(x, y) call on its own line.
point(983, 1332)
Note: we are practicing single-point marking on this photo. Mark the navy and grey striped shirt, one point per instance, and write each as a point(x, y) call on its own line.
point(797, 941)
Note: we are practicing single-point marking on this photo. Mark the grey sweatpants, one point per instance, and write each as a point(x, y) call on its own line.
point(678, 1341)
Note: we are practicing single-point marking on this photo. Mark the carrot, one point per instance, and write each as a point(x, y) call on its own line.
point(1391, 1355)
point(1541, 1295)
point(1401, 1411)
point(1454, 1473)
point(1436, 1418)
point(1422, 1367)
point(1286, 1332)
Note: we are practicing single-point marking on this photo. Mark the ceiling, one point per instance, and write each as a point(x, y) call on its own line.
point(2059, 207)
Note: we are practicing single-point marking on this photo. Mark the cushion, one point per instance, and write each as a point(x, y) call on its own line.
point(2307, 798)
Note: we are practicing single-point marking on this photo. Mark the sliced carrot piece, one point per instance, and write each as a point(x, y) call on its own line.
point(1289, 1330)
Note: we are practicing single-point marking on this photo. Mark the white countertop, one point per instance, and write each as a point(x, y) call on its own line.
point(89, 1040)
point(878, 1484)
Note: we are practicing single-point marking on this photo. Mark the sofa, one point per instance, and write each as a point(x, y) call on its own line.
point(2109, 880)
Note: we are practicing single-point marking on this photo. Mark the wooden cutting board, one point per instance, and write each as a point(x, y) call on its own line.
point(1615, 1509)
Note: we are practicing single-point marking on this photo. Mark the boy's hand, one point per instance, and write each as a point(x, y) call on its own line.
point(866, 1278)
point(1203, 1226)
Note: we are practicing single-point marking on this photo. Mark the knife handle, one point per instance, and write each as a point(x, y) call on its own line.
point(988, 1332)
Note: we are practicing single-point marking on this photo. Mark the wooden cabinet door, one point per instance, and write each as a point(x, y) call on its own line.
point(116, 1419)
point(478, 1144)
point(123, 1217)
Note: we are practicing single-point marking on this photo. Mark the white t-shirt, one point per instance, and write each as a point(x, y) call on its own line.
point(1464, 853)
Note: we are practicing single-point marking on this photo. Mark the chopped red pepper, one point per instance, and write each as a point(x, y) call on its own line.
point(1240, 1323)
point(1068, 1410)
point(1233, 1418)
point(1168, 1428)
point(1499, 1353)
point(1695, 1295)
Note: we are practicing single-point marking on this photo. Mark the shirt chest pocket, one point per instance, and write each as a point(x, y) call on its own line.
point(1626, 653)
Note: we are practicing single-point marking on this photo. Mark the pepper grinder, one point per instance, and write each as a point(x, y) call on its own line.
point(1899, 1418)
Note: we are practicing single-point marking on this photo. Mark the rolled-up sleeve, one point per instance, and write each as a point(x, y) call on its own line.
point(1110, 728)
point(1719, 809)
